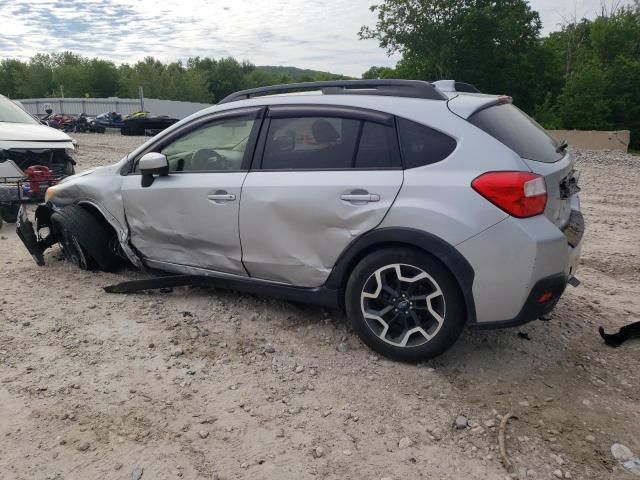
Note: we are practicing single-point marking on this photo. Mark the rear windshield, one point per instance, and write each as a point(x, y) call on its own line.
point(519, 132)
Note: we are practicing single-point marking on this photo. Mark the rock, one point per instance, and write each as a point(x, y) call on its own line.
point(203, 434)
point(524, 403)
point(405, 442)
point(137, 473)
point(531, 473)
point(567, 474)
point(557, 473)
point(268, 348)
point(621, 452)
point(83, 447)
point(280, 433)
point(318, 452)
point(342, 347)
point(26, 323)
point(490, 423)
point(347, 452)
point(299, 369)
point(461, 422)
point(118, 466)
point(590, 438)
point(177, 351)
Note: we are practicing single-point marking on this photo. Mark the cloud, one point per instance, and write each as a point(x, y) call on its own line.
point(308, 34)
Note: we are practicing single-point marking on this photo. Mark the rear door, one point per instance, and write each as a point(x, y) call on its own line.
point(542, 154)
point(189, 218)
point(322, 176)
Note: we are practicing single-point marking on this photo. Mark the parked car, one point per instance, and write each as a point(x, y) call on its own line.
point(28, 144)
point(418, 211)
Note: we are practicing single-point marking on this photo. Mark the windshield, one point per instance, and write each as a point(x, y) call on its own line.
point(12, 113)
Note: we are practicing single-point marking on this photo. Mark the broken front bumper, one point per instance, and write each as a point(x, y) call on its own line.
point(35, 244)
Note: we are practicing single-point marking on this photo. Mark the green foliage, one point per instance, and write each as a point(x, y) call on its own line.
point(198, 80)
point(585, 76)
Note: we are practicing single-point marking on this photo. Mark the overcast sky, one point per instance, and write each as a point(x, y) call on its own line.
point(318, 34)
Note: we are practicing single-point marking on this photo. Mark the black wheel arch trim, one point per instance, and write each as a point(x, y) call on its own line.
point(459, 267)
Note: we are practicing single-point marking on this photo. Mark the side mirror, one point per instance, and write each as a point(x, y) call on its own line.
point(151, 164)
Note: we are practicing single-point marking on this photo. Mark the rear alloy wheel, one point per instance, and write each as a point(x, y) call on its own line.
point(405, 304)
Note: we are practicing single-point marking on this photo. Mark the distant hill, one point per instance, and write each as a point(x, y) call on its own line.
point(299, 73)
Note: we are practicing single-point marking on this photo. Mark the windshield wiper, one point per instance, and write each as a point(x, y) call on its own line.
point(562, 147)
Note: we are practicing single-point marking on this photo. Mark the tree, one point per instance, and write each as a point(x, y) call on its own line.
point(490, 43)
point(380, 72)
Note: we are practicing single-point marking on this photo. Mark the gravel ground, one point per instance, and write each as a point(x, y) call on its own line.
point(208, 384)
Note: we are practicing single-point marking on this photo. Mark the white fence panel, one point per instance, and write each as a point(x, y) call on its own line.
point(124, 106)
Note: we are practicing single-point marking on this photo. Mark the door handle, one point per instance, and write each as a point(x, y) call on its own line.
point(360, 197)
point(220, 197)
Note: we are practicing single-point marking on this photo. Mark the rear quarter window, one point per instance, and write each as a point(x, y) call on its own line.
point(422, 145)
point(521, 133)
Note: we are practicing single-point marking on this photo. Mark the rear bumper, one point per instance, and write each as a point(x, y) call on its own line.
point(514, 260)
point(533, 308)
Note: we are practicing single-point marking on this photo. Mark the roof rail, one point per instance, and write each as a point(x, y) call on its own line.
point(390, 88)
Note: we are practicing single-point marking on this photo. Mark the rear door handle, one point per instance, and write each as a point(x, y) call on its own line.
point(360, 197)
point(220, 197)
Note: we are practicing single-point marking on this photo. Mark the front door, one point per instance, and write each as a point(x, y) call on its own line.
point(324, 179)
point(190, 217)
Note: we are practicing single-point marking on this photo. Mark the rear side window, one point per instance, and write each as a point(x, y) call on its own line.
point(328, 143)
point(422, 145)
point(515, 129)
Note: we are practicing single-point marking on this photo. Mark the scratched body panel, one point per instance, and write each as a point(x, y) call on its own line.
point(294, 225)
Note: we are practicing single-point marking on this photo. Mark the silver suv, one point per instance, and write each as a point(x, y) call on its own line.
point(417, 208)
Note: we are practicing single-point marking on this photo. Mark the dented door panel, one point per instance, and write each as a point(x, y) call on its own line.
point(187, 218)
point(294, 225)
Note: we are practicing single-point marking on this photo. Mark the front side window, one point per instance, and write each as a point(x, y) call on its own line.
point(218, 146)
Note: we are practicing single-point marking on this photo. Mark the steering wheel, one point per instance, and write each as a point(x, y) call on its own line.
point(205, 159)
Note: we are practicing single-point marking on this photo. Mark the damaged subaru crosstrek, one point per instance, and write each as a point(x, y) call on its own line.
point(419, 208)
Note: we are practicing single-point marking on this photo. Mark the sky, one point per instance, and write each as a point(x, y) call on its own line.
point(317, 34)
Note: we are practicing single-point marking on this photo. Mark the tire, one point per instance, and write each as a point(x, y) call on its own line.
point(423, 323)
point(85, 240)
point(9, 213)
point(69, 169)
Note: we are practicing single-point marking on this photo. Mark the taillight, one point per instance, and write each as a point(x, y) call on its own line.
point(520, 194)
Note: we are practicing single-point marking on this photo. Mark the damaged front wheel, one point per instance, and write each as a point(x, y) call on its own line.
point(85, 241)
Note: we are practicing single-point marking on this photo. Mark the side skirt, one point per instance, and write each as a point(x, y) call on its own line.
point(315, 296)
